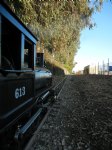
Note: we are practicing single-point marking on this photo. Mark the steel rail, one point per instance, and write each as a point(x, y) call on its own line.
point(30, 143)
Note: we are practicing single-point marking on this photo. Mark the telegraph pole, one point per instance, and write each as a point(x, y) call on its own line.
point(103, 67)
point(98, 67)
point(108, 66)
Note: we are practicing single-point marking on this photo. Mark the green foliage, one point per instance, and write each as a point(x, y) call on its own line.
point(57, 23)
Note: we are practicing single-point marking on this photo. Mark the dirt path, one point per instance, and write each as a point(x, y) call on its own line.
point(81, 118)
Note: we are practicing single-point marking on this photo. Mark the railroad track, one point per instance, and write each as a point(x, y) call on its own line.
point(48, 106)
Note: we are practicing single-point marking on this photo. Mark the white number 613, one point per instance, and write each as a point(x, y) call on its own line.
point(19, 92)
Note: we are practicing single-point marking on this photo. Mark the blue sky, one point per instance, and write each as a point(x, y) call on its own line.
point(96, 44)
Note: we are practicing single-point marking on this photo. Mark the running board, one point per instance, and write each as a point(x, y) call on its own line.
point(21, 132)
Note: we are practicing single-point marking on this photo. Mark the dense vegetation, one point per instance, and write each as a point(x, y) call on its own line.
point(57, 23)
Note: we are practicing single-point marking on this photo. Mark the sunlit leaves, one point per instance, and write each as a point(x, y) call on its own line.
point(57, 23)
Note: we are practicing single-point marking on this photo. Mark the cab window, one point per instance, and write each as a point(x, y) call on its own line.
point(28, 54)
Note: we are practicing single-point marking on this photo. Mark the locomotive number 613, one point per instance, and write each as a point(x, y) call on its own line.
point(23, 76)
point(19, 92)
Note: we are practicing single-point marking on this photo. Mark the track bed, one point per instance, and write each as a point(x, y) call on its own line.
point(81, 117)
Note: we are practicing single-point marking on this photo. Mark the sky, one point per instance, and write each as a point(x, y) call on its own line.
point(96, 44)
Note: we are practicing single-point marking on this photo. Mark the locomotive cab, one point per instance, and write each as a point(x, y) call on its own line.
point(20, 78)
point(17, 50)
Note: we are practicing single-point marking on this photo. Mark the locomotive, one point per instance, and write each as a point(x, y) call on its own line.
point(23, 76)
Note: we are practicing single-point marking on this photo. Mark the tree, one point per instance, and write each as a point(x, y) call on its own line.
point(57, 23)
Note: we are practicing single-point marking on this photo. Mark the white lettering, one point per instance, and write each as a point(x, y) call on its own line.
point(19, 92)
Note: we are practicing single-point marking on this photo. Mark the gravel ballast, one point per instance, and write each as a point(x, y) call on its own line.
point(81, 117)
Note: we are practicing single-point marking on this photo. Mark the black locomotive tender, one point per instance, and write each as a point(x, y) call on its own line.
point(22, 79)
